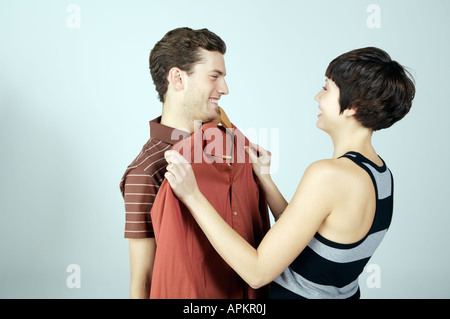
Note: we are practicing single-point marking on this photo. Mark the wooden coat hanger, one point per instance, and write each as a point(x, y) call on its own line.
point(223, 119)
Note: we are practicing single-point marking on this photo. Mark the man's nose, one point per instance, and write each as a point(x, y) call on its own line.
point(223, 88)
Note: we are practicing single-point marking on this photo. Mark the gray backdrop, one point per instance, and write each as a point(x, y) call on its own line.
point(76, 97)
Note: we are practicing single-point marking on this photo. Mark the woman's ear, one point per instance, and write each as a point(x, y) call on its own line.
point(176, 78)
point(351, 111)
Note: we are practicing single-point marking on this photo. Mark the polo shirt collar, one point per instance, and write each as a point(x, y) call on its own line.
point(165, 133)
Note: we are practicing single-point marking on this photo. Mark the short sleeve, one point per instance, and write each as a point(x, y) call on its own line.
point(139, 192)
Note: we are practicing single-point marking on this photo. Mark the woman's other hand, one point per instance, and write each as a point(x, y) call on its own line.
point(261, 163)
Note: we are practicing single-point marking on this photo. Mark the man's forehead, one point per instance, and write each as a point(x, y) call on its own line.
point(212, 61)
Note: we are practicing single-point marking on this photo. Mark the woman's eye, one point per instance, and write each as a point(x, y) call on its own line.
point(324, 88)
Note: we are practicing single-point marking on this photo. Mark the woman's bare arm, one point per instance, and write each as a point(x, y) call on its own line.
point(282, 244)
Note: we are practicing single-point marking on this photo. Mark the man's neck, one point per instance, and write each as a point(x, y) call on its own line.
point(171, 117)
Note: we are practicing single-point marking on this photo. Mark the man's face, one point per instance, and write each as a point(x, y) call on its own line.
point(204, 87)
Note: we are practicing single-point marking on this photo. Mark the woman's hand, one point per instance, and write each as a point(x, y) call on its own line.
point(261, 163)
point(180, 176)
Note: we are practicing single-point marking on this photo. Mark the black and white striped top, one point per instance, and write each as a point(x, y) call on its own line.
point(326, 269)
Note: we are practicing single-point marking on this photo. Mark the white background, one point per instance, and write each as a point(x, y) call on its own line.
point(75, 105)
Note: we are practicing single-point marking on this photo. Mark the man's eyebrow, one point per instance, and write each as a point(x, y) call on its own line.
point(218, 71)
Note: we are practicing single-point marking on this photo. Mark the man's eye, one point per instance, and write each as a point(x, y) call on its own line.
point(324, 88)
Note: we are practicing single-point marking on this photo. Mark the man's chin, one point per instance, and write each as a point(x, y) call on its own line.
point(212, 116)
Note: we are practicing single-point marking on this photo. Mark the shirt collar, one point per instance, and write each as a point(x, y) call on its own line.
point(217, 143)
point(165, 133)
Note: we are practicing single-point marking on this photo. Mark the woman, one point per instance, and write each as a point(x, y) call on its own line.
point(342, 207)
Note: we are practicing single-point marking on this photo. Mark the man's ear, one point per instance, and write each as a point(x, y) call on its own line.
point(176, 78)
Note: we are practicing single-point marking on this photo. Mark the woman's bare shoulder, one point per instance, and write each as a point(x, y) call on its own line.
point(334, 174)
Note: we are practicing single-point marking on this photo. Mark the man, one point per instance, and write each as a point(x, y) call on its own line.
point(188, 70)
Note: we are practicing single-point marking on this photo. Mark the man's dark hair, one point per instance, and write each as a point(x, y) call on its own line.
point(380, 89)
point(180, 48)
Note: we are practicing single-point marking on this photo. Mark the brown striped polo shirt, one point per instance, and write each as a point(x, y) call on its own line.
point(143, 177)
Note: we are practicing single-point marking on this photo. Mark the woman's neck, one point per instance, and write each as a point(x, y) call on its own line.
point(355, 139)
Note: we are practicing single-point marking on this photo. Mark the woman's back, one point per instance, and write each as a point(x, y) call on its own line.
point(355, 203)
point(331, 263)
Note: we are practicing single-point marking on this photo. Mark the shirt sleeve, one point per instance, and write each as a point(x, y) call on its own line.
point(139, 192)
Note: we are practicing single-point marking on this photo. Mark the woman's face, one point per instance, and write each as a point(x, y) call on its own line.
point(329, 107)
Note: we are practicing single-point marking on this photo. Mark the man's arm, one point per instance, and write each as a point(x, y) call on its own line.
point(142, 257)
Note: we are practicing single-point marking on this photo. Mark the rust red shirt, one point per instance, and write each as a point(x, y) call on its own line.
point(186, 265)
point(143, 177)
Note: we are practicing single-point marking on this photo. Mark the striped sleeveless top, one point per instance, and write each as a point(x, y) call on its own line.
point(329, 270)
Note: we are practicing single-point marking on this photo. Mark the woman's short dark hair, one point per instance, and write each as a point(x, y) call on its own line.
point(180, 48)
point(380, 89)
